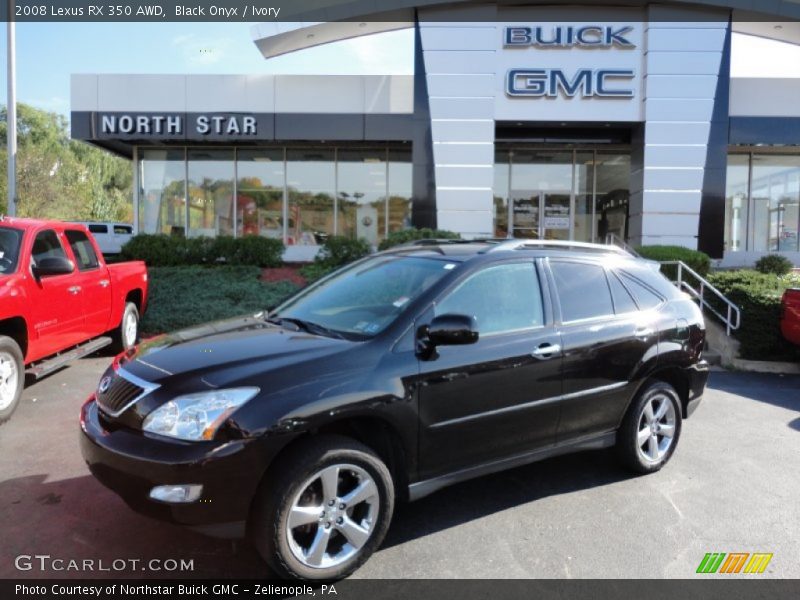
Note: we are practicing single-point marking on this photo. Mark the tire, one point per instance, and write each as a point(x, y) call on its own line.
point(12, 377)
point(644, 444)
point(296, 482)
point(125, 340)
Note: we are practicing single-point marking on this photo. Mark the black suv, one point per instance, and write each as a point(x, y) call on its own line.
point(395, 376)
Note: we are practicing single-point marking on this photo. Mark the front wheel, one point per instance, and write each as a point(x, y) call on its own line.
point(651, 428)
point(324, 510)
point(12, 377)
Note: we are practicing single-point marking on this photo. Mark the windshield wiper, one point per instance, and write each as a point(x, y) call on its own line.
point(309, 326)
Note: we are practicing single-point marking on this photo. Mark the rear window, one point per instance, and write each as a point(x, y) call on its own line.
point(123, 229)
point(98, 228)
point(82, 249)
point(645, 297)
point(583, 290)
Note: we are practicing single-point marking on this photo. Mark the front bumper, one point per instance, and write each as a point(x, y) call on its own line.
point(698, 377)
point(131, 463)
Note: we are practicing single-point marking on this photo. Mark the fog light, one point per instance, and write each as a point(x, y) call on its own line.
point(176, 494)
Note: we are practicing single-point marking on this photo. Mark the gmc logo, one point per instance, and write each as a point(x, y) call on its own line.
point(599, 83)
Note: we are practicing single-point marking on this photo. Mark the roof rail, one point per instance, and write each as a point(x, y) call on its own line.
point(439, 241)
point(514, 244)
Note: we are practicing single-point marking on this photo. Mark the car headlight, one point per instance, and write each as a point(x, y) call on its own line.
point(196, 417)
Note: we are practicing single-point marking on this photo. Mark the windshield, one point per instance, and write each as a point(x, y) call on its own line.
point(9, 249)
point(363, 300)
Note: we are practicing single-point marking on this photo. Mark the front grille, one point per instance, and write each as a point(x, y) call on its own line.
point(118, 395)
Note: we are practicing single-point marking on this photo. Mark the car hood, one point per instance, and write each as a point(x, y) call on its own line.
point(211, 351)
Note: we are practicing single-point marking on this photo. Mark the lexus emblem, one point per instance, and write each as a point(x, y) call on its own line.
point(105, 383)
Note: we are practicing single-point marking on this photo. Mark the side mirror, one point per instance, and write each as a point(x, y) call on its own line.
point(53, 265)
point(452, 330)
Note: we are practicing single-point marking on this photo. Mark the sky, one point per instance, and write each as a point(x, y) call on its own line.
point(47, 53)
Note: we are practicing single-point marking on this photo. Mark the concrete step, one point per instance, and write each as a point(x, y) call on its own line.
point(713, 357)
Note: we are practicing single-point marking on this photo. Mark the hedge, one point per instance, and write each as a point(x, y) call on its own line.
point(758, 296)
point(161, 250)
point(407, 235)
point(776, 264)
point(185, 296)
point(698, 261)
point(338, 250)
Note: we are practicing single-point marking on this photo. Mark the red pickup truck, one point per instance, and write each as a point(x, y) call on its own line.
point(790, 315)
point(59, 301)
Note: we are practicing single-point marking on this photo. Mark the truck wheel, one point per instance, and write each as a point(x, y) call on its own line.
point(12, 377)
point(651, 428)
point(127, 334)
point(324, 509)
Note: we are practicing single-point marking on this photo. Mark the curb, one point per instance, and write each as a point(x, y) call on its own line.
point(766, 366)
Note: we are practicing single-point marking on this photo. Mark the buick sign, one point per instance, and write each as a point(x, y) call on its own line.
point(589, 36)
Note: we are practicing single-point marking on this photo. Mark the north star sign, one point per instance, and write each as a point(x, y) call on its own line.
point(586, 82)
point(173, 124)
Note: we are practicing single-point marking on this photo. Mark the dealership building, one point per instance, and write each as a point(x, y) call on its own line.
point(584, 123)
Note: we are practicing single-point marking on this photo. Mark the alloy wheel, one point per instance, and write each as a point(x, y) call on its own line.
point(332, 516)
point(656, 428)
point(130, 329)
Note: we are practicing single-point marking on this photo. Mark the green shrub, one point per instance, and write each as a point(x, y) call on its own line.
point(186, 296)
point(407, 235)
point(314, 271)
point(339, 250)
point(774, 264)
point(166, 251)
point(697, 261)
point(758, 296)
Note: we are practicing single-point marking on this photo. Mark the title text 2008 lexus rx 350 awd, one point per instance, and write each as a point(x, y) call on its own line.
point(397, 375)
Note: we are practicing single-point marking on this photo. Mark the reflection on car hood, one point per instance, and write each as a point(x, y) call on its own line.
point(234, 342)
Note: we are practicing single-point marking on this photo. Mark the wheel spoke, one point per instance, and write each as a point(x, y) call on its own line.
point(364, 490)
point(355, 534)
point(648, 413)
point(330, 483)
point(662, 409)
point(643, 436)
point(304, 515)
point(652, 447)
point(316, 551)
point(667, 430)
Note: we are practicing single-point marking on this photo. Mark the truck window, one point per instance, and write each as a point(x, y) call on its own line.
point(98, 228)
point(123, 229)
point(83, 250)
point(47, 245)
point(9, 249)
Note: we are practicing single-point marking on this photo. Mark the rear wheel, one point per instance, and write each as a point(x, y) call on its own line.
point(650, 431)
point(324, 510)
point(127, 333)
point(12, 377)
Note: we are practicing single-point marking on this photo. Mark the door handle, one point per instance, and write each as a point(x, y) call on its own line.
point(74, 289)
point(546, 351)
point(643, 332)
point(104, 283)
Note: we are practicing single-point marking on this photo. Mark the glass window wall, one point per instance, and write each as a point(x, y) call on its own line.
point(162, 197)
point(762, 205)
point(210, 191)
point(301, 195)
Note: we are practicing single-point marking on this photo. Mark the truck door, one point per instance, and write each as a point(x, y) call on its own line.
point(55, 301)
point(94, 281)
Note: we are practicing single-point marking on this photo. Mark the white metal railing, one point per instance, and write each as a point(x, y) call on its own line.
point(612, 239)
point(701, 290)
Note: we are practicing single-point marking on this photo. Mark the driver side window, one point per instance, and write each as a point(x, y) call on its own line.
point(47, 245)
point(500, 298)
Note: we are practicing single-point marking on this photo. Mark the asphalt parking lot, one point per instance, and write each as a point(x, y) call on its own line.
point(732, 486)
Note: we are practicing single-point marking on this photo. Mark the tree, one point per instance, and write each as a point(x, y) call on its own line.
point(61, 178)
